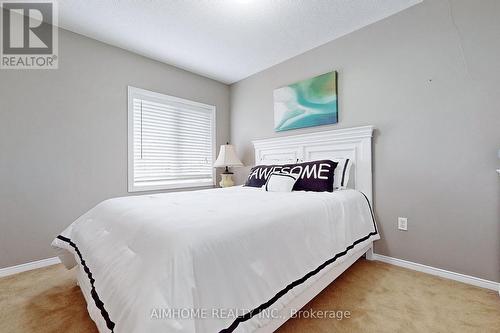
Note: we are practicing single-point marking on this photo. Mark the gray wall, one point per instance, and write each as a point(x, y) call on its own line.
point(428, 78)
point(63, 137)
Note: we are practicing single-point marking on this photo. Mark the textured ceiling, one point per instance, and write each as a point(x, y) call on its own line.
point(226, 40)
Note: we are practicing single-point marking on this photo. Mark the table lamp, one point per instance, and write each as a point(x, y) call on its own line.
point(227, 158)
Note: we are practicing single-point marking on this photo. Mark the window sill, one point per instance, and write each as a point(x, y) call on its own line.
point(155, 186)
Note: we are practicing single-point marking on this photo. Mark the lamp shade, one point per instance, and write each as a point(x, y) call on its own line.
point(227, 157)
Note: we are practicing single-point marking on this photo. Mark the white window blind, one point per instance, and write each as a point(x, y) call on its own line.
point(171, 142)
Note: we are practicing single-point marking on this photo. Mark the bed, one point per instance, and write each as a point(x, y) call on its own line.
point(238, 259)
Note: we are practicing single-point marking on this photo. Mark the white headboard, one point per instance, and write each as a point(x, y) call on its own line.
point(354, 143)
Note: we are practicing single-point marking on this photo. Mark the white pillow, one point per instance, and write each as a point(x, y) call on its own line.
point(341, 173)
point(280, 182)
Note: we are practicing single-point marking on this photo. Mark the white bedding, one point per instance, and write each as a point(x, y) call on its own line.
point(223, 252)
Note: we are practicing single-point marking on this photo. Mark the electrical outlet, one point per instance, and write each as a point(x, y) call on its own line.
point(403, 223)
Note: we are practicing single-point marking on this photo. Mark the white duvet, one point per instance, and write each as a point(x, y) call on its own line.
point(195, 261)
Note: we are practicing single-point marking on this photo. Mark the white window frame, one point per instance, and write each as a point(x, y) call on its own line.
point(134, 92)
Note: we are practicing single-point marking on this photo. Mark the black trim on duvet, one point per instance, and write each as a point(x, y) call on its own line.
point(98, 303)
point(295, 283)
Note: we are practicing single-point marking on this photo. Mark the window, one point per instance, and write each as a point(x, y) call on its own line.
point(171, 142)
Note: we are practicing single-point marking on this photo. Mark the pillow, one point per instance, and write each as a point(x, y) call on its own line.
point(314, 176)
point(280, 182)
point(341, 176)
point(259, 174)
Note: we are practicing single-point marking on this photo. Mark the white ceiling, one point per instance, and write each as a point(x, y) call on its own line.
point(226, 40)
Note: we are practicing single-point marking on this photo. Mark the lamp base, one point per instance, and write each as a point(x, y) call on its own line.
point(226, 180)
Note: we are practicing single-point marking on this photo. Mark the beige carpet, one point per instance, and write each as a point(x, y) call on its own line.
point(379, 298)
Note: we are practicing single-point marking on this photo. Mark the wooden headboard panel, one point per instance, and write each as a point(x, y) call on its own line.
point(354, 143)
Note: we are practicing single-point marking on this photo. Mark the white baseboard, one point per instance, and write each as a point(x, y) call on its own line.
point(393, 261)
point(439, 272)
point(29, 266)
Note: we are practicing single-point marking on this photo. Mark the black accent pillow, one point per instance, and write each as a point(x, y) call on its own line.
point(259, 174)
point(314, 176)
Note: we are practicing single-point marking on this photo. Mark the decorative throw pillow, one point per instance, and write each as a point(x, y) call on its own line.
point(311, 176)
point(260, 173)
point(314, 176)
point(341, 176)
point(280, 182)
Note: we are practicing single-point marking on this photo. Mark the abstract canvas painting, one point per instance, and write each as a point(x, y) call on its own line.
point(307, 103)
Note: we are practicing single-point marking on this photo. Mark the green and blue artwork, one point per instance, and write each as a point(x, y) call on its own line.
point(307, 103)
